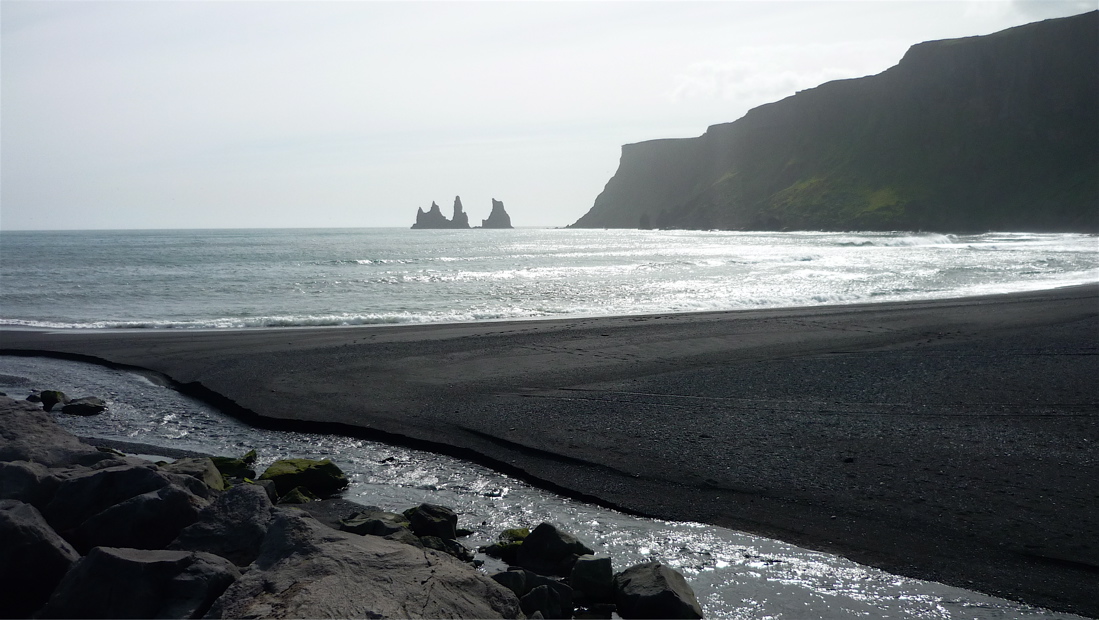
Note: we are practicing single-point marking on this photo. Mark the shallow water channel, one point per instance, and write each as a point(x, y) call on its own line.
point(735, 575)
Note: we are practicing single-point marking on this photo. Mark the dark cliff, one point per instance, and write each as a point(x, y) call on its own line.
point(998, 132)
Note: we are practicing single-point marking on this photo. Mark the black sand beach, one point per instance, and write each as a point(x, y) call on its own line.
point(948, 440)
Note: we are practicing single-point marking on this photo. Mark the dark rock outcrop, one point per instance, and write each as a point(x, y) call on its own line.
point(233, 526)
point(307, 570)
point(995, 132)
point(653, 590)
point(296, 565)
point(147, 521)
point(593, 578)
point(433, 520)
point(498, 218)
point(434, 217)
point(139, 583)
point(550, 551)
point(33, 559)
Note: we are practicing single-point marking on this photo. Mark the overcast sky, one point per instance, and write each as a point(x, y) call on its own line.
point(346, 114)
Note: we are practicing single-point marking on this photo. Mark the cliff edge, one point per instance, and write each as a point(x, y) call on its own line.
point(995, 132)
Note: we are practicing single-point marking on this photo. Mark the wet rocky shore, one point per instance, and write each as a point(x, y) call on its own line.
point(93, 532)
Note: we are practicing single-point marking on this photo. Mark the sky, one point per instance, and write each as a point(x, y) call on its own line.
point(259, 114)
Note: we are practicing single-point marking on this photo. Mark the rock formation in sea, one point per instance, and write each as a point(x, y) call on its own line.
point(434, 217)
point(995, 132)
point(499, 218)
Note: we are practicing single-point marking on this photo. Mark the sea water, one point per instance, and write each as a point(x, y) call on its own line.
point(281, 277)
point(260, 278)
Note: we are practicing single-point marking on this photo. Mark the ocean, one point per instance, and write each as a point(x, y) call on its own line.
point(285, 277)
point(223, 279)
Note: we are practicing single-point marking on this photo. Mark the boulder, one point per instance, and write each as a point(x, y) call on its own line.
point(653, 590)
point(199, 468)
point(233, 526)
point(33, 559)
point(28, 482)
point(522, 582)
point(52, 398)
point(298, 495)
point(141, 583)
point(92, 491)
point(507, 544)
point(593, 578)
point(150, 520)
point(546, 601)
point(28, 434)
point(448, 546)
point(374, 523)
point(322, 478)
point(88, 405)
point(433, 520)
point(549, 551)
point(236, 468)
point(307, 570)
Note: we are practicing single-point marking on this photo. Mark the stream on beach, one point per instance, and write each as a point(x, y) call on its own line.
point(734, 574)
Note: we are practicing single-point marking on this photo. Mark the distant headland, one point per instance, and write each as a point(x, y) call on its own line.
point(433, 218)
point(994, 132)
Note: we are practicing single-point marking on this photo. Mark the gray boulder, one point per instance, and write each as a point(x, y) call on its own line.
point(545, 601)
point(550, 551)
point(374, 523)
point(141, 583)
point(448, 546)
point(653, 590)
point(33, 559)
point(593, 578)
point(92, 491)
point(433, 520)
point(233, 526)
point(307, 570)
point(28, 434)
point(199, 468)
point(147, 521)
point(28, 482)
point(88, 405)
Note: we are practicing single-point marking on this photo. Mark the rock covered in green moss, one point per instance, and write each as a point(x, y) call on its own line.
point(322, 478)
point(236, 467)
point(507, 544)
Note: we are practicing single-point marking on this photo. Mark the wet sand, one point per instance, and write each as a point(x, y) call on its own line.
point(951, 440)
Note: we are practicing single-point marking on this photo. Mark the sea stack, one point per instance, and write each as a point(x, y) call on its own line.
point(434, 217)
point(498, 218)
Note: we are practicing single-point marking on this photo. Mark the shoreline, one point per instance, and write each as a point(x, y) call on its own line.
point(1042, 287)
point(950, 440)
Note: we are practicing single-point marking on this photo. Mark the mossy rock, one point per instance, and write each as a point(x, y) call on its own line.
point(322, 478)
point(50, 398)
point(298, 495)
point(236, 468)
point(507, 544)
